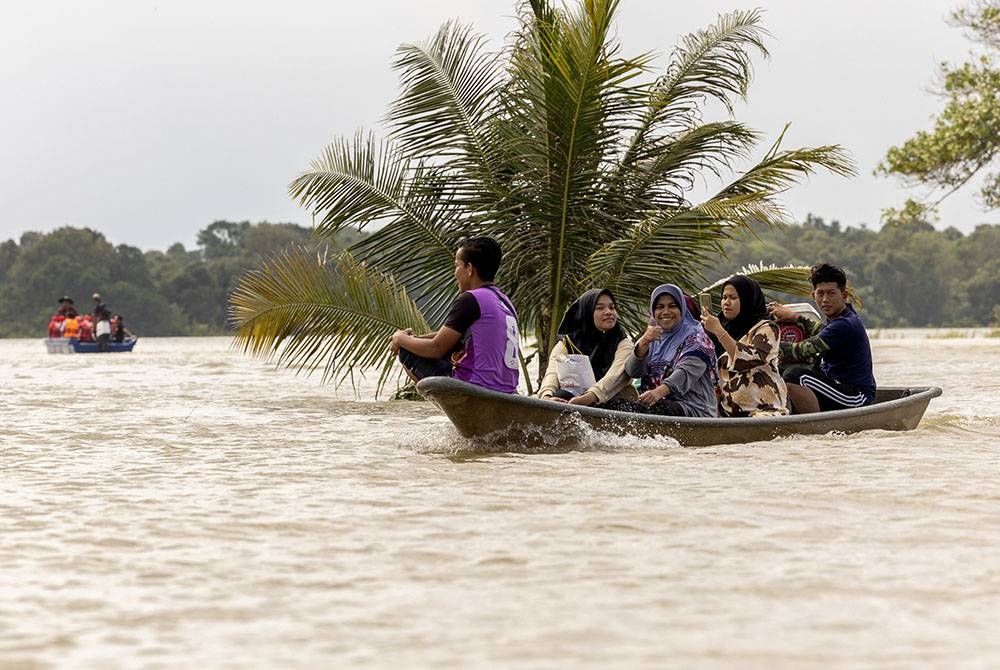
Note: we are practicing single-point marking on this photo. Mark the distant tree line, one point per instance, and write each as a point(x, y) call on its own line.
point(176, 292)
point(907, 274)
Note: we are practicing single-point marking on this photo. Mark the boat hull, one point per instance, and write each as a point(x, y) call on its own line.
point(62, 345)
point(501, 418)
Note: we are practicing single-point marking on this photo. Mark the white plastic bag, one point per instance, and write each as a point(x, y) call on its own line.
point(575, 373)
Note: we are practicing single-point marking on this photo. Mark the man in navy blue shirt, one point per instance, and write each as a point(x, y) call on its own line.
point(844, 378)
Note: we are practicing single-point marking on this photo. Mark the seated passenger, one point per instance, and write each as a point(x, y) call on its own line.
point(675, 360)
point(119, 332)
point(845, 377)
point(86, 328)
point(746, 341)
point(71, 327)
point(590, 327)
point(478, 342)
point(56, 325)
point(66, 306)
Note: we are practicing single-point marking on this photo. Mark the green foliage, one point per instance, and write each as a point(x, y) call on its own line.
point(67, 261)
point(289, 305)
point(913, 216)
point(8, 254)
point(965, 139)
point(176, 292)
point(564, 150)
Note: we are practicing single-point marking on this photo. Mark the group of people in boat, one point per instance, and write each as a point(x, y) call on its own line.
point(688, 362)
point(100, 326)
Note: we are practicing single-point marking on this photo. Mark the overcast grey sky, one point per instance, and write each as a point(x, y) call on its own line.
point(149, 120)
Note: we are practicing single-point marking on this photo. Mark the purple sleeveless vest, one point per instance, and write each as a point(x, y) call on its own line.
point(491, 344)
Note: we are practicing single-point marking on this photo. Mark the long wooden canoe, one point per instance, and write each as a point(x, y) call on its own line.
point(524, 422)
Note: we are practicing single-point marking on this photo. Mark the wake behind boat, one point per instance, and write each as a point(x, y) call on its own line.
point(521, 421)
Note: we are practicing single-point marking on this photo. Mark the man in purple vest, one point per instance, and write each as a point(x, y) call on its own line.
point(478, 342)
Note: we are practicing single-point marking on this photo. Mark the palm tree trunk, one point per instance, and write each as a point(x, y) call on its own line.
point(544, 345)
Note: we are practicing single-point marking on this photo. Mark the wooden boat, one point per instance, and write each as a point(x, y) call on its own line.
point(524, 422)
point(65, 345)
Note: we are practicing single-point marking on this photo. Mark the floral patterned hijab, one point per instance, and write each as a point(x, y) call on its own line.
point(687, 338)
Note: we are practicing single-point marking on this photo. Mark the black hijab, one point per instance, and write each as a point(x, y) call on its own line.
point(577, 325)
point(753, 309)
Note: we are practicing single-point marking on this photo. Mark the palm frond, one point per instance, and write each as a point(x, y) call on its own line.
point(365, 181)
point(310, 315)
point(713, 63)
point(357, 182)
point(787, 279)
point(421, 262)
point(790, 279)
point(668, 247)
point(780, 169)
point(448, 97)
point(569, 86)
point(668, 168)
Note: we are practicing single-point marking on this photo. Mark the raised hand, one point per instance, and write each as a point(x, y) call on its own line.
point(711, 323)
point(780, 312)
point(652, 334)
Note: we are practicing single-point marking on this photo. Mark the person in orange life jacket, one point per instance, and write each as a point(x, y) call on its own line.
point(478, 342)
point(102, 323)
point(71, 327)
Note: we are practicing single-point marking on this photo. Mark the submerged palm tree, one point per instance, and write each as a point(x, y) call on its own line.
point(568, 154)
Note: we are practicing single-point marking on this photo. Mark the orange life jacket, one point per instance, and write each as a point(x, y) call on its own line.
point(71, 328)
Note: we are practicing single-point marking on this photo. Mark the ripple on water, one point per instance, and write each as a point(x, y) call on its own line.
point(201, 509)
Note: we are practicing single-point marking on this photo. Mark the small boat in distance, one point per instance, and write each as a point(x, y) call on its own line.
point(522, 422)
point(71, 345)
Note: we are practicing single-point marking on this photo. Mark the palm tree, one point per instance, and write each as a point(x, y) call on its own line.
point(561, 149)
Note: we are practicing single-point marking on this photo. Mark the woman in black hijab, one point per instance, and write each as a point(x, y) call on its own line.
point(741, 312)
point(590, 327)
point(746, 341)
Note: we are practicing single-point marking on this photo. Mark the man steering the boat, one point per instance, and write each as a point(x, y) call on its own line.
point(844, 378)
point(478, 342)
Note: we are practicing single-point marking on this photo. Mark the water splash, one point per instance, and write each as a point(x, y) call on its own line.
point(573, 434)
